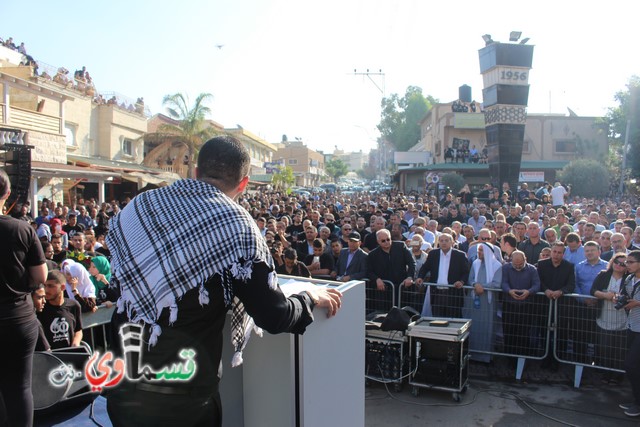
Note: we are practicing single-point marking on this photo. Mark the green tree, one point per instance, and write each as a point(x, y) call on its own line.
point(454, 181)
point(587, 177)
point(192, 129)
point(588, 149)
point(284, 178)
point(628, 109)
point(336, 168)
point(401, 117)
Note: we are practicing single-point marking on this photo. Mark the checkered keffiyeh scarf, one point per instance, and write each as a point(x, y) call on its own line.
point(168, 241)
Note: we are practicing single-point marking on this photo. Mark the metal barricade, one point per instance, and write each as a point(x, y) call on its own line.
point(501, 326)
point(98, 320)
point(589, 333)
point(379, 301)
point(575, 329)
point(412, 296)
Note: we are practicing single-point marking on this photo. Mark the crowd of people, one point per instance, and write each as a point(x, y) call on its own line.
point(500, 258)
point(490, 259)
point(466, 155)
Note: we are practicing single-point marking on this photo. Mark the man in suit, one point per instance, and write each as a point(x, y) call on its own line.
point(444, 266)
point(352, 261)
point(390, 261)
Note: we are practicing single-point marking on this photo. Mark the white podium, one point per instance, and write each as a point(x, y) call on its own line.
point(306, 380)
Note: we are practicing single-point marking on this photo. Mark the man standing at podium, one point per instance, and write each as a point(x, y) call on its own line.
point(180, 269)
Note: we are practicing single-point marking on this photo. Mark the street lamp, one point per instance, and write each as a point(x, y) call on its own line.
point(514, 36)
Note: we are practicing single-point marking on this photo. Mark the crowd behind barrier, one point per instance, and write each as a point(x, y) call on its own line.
point(552, 330)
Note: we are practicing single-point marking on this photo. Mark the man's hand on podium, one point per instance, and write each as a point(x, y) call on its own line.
point(328, 298)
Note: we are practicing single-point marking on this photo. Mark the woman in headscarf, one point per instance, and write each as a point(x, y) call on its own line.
point(100, 271)
point(480, 303)
point(79, 285)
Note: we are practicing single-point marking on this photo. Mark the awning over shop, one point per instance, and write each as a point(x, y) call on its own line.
point(60, 170)
point(165, 178)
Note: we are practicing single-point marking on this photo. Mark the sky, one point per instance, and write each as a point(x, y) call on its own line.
point(287, 67)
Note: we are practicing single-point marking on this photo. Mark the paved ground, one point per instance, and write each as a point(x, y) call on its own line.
point(495, 398)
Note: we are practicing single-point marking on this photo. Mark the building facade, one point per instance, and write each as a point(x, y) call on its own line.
point(80, 145)
point(551, 141)
point(307, 164)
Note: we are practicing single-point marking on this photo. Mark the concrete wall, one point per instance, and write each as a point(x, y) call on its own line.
point(48, 147)
point(114, 125)
point(78, 116)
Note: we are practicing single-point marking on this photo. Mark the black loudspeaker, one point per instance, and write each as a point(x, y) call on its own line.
point(17, 164)
point(58, 380)
point(464, 93)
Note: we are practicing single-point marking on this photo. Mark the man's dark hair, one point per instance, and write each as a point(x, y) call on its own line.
point(510, 239)
point(318, 243)
point(5, 183)
point(592, 244)
point(225, 160)
point(57, 276)
point(635, 254)
point(573, 238)
point(290, 253)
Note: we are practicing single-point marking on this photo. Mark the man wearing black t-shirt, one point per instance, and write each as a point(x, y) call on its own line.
point(22, 265)
point(72, 227)
point(60, 317)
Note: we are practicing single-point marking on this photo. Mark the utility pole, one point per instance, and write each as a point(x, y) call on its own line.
point(379, 75)
point(368, 74)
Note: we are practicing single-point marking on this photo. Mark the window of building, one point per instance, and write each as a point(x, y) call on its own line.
point(438, 148)
point(293, 161)
point(70, 134)
point(127, 147)
point(566, 146)
point(526, 147)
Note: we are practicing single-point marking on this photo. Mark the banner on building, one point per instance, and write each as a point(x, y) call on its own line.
point(531, 176)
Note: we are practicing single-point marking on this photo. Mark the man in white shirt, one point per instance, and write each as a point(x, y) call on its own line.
point(558, 194)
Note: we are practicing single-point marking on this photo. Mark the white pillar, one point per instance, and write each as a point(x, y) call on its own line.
point(101, 191)
point(5, 101)
point(34, 196)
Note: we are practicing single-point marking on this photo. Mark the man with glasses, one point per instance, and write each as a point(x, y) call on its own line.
point(631, 365)
point(483, 236)
point(390, 261)
point(344, 234)
point(618, 244)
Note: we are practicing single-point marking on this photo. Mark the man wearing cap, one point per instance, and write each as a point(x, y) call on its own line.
point(352, 262)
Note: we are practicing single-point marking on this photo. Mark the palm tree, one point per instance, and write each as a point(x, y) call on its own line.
point(193, 129)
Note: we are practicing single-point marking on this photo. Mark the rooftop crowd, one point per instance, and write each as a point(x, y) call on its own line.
point(81, 81)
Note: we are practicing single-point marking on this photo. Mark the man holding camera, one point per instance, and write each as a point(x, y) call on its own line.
point(631, 366)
